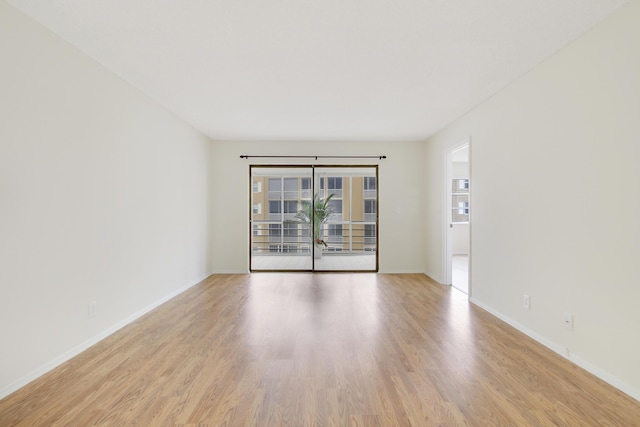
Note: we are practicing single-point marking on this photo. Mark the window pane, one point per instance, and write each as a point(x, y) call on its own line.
point(460, 186)
point(275, 232)
point(290, 229)
point(305, 188)
point(290, 232)
point(275, 189)
point(370, 234)
point(274, 206)
point(274, 184)
point(370, 183)
point(291, 188)
point(370, 210)
point(335, 229)
point(334, 232)
point(290, 206)
point(334, 186)
point(337, 205)
point(460, 208)
point(290, 209)
point(334, 183)
point(370, 206)
point(274, 229)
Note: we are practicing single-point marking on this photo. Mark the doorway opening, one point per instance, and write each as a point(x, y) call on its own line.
point(458, 217)
point(313, 218)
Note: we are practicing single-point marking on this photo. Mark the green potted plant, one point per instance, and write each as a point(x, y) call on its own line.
point(318, 212)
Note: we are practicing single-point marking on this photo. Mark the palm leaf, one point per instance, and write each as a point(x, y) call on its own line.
point(317, 211)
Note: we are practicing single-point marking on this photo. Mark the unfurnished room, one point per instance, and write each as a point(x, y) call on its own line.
point(305, 213)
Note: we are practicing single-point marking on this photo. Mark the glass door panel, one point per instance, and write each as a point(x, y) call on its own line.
point(313, 218)
point(345, 232)
point(280, 239)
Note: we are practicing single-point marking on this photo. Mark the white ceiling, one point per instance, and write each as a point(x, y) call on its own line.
point(346, 70)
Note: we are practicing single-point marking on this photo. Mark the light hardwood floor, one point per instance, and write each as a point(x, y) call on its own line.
point(326, 349)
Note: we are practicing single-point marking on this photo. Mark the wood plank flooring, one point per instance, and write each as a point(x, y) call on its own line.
point(318, 350)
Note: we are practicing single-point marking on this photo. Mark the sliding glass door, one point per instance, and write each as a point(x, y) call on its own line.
point(280, 240)
point(314, 218)
point(348, 233)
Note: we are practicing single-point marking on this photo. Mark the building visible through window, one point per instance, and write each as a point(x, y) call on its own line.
point(459, 200)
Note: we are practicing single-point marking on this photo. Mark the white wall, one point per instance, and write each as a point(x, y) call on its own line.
point(554, 170)
point(401, 202)
point(104, 197)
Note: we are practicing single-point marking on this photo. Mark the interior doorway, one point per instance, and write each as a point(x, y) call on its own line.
point(458, 217)
point(314, 218)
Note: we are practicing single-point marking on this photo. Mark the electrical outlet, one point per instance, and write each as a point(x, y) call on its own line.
point(93, 309)
point(567, 321)
point(526, 302)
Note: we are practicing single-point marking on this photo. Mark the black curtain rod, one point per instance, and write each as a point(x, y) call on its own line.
point(244, 156)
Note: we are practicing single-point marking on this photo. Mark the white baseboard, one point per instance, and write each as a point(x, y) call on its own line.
point(396, 271)
point(574, 358)
point(38, 372)
point(245, 271)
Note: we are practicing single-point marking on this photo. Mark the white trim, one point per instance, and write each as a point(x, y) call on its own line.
point(448, 249)
point(448, 244)
point(561, 350)
point(38, 372)
point(471, 202)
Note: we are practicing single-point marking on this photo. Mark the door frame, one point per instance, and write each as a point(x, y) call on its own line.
point(447, 223)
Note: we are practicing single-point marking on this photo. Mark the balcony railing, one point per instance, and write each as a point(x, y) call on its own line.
point(341, 237)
